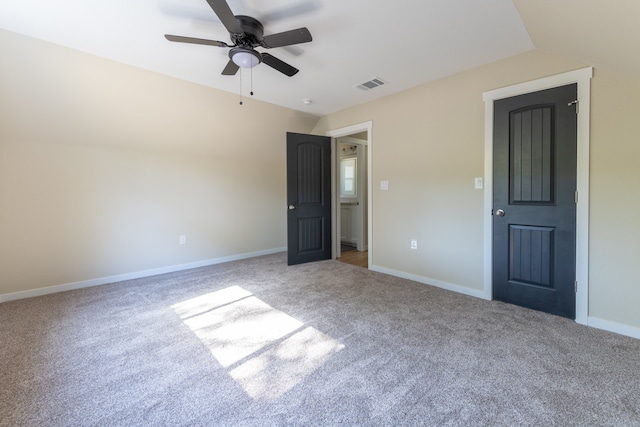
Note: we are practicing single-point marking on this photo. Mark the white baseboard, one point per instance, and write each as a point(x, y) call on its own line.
point(428, 281)
point(594, 322)
point(130, 276)
point(618, 328)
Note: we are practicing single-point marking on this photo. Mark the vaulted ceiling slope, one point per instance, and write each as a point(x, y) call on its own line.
point(404, 42)
point(603, 34)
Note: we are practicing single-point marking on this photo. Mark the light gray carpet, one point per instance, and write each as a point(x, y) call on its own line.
point(255, 342)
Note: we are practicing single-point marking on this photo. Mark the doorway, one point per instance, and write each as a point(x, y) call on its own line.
point(351, 190)
point(583, 79)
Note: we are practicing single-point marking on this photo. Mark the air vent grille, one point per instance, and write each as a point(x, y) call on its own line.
point(371, 84)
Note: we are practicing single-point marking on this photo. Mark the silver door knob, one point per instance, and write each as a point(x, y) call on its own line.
point(500, 212)
point(291, 207)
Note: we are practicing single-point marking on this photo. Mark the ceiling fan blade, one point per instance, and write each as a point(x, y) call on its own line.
point(279, 65)
point(182, 39)
point(231, 69)
point(222, 9)
point(287, 38)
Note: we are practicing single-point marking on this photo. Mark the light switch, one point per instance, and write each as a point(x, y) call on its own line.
point(478, 182)
point(384, 185)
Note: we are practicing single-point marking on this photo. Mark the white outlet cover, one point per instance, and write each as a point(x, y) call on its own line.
point(384, 185)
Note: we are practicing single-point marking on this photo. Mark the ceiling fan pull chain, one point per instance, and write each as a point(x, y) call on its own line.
point(240, 87)
point(251, 93)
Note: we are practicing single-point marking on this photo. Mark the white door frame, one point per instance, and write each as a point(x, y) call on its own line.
point(334, 134)
point(583, 78)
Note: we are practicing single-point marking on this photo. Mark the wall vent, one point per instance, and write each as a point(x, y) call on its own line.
point(371, 84)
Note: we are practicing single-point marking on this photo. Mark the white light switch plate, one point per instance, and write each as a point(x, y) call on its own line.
point(478, 183)
point(384, 185)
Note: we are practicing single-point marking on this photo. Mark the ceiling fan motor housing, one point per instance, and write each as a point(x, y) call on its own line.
point(253, 32)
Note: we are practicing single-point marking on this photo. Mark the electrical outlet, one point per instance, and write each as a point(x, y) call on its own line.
point(384, 185)
point(182, 240)
point(414, 245)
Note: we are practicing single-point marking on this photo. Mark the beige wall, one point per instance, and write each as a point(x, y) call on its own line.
point(428, 143)
point(615, 199)
point(103, 166)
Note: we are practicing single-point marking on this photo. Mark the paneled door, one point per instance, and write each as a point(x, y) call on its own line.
point(308, 198)
point(534, 200)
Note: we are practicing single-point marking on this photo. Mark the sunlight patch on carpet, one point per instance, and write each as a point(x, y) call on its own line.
point(264, 349)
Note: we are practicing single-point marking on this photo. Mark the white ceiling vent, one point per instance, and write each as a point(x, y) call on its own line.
point(371, 84)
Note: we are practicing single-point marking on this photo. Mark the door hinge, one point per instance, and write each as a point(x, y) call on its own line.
point(575, 197)
point(575, 287)
point(577, 104)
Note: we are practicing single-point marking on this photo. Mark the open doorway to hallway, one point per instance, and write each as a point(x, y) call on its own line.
point(359, 135)
point(352, 198)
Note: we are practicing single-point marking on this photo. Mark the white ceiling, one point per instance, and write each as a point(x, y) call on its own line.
point(404, 42)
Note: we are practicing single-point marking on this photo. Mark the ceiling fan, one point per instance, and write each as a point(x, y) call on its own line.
point(246, 34)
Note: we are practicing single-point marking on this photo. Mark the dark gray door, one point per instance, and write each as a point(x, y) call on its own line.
point(534, 210)
point(308, 198)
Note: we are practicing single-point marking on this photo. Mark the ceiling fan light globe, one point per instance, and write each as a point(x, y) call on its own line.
point(245, 58)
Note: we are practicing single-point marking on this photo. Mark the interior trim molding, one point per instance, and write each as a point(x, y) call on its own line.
point(618, 328)
point(583, 78)
point(130, 276)
point(478, 293)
